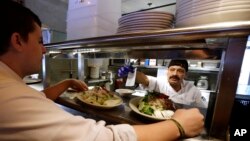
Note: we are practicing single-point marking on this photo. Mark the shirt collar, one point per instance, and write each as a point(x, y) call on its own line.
point(7, 71)
point(182, 87)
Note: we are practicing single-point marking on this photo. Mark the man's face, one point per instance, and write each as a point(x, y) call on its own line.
point(175, 75)
point(34, 51)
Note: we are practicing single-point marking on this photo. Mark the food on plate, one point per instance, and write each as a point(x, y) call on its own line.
point(100, 96)
point(157, 105)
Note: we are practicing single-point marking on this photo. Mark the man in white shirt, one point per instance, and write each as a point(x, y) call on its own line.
point(27, 114)
point(174, 85)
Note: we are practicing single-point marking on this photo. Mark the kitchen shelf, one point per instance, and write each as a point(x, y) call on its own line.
point(169, 43)
point(203, 69)
point(190, 68)
point(90, 81)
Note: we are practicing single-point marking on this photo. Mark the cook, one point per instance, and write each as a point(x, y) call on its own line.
point(174, 85)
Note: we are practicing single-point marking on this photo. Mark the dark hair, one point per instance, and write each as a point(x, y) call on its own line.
point(15, 18)
point(179, 62)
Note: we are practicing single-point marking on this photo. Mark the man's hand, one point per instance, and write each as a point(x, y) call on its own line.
point(77, 85)
point(56, 90)
point(123, 71)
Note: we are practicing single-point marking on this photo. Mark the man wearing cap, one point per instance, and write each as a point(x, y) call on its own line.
point(174, 85)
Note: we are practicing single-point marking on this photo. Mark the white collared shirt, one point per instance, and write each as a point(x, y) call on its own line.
point(188, 94)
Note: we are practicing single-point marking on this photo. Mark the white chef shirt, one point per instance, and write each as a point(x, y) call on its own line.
point(26, 114)
point(188, 94)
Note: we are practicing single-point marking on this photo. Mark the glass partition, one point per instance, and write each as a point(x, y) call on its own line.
point(244, 80)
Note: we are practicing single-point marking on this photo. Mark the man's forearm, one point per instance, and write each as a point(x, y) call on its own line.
point(55, 91)
point(142, 78)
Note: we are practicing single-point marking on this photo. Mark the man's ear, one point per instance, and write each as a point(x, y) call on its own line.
point(16, 42)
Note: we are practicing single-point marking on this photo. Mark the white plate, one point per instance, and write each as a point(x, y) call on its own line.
point(141, 28)
point(31, 80)
point(140, 31)
point(207, 10)
point(146, 18)
point(145, 15)
point(132, 29)
point(147, 23)
point(133, 104)
point(100, 106)
point(142, 25)
point(124, 92)
point(142, 21)
point(216, 17)
point(185, 4)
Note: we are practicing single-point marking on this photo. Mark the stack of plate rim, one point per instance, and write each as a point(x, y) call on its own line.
point(201, 12)
point(145, 21)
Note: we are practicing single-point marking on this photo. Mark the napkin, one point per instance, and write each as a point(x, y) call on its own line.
point(131, 78)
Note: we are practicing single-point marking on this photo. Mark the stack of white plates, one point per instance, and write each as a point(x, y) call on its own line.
point(200, 12)
point(145, 21)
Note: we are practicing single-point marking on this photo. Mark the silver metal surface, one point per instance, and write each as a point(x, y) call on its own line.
point(161, 39)
point(162, 44)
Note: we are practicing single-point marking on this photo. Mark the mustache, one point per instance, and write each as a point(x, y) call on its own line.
point(175, 77)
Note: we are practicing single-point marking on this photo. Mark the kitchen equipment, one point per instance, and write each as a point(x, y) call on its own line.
point(109, 85)
point(202, 83)
point(118, 62)
point(103, 75)
point(94, 65)
point(94, 72)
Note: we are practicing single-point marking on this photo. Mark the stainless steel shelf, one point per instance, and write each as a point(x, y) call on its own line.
point(96, 80)
point(191, 37)
point(203, 69)
point(161, 44)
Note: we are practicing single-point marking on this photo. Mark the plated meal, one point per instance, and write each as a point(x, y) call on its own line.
point(153, 105)
point(99, 97)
